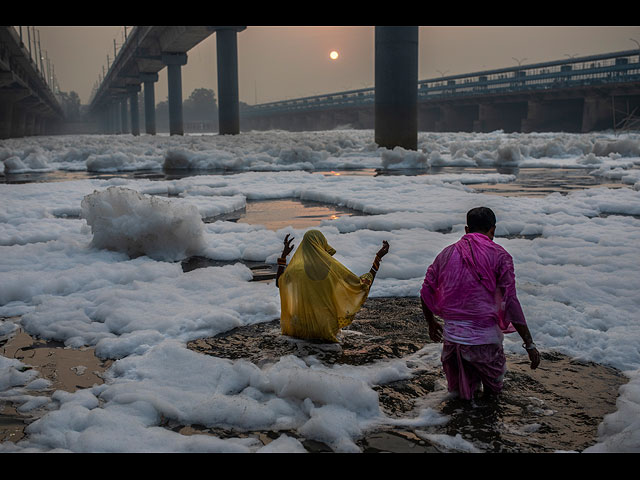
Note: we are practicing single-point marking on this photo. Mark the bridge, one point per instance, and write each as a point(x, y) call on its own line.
point(28, 106)
point(146, 51)
point(581, 94)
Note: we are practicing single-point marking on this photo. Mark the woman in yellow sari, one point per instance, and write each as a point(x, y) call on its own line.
point(319, 295)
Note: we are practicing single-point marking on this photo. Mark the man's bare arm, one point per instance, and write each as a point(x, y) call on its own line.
point(435, 329)
point(529, 346)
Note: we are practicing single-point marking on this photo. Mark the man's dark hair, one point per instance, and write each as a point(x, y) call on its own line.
point(480, 219)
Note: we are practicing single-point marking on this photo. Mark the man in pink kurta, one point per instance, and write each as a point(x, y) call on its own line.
point(471, 286)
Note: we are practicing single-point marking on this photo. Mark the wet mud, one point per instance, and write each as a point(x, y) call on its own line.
point(65, 368)
point(556, 407)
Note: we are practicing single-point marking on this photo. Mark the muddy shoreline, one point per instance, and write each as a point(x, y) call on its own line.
point(66, 369)
point(557, 407)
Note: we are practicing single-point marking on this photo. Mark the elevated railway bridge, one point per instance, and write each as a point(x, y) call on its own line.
point(581, 94)
point(28, 105)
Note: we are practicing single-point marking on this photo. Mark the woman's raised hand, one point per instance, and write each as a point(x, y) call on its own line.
point(384, 250)
point(288, 247)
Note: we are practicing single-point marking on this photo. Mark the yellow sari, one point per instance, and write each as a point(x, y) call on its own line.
point(319, 295)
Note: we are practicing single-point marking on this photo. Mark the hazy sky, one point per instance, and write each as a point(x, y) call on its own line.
point(289, 62)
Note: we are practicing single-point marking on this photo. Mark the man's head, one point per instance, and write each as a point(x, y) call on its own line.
point(481, 220)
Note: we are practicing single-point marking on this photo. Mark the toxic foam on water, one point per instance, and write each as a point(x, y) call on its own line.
point(124, 220)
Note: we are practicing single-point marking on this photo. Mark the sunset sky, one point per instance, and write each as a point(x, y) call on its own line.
point(279, 62)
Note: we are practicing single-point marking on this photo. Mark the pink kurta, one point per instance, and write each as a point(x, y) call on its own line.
point(471, 286)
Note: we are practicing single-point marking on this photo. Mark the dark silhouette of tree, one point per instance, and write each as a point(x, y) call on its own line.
point(201, 106)
point(199, 112)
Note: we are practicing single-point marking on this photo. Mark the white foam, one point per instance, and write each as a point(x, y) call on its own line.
point(67, 269)
point(126, 221)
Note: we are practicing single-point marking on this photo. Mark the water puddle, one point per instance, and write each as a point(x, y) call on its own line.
point(288, 212)
point(540, 182)
point(273, 215)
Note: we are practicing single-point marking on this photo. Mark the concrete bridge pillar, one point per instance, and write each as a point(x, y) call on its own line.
point(457, 119)
point(174, 62)
point(106, 116)
point(107, 120)
point(44, 125)
point(365, 119)
point(18, 122)
point(113, 114)
point(535, 114)
point(396, 87)
point(6, 115)
point(428, 117)
point(28, 124)
point(500, 116)
point(134, 108)
point(324, 120)
point(124, 115)
point(103, 119)
point(597, 113)
point(228, 103)
point(116, 118)
point(263, 123)
point(148, 80)
point(36, 124)
point(553, 116)
point(8, 107)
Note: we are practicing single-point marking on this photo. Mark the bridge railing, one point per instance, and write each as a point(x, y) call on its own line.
point(30, 66)
point(30, 41)
point(317, 102)
point(99, 85)
point(594, 70)
point(608, 68)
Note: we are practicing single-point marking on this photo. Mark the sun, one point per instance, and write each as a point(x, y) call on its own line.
point(334, 55)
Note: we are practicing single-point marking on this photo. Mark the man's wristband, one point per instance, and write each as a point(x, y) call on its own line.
point(531, 346)
point(282, 261)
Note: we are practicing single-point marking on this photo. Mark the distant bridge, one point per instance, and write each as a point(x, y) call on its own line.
point(27, 104)
point(582, 94)
point(146, 51)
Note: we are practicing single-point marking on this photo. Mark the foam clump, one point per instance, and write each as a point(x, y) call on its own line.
point(32, 162)
point(123, 220)
point(400, 158)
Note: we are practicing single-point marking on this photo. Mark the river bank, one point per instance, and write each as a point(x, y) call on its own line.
point(557, 407)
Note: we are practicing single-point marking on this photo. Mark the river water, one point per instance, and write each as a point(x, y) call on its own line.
point(556, 408)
